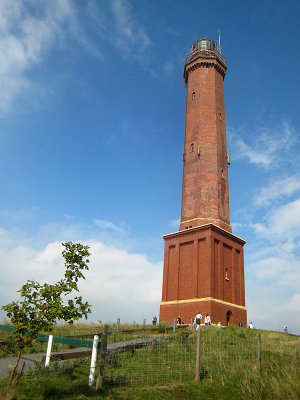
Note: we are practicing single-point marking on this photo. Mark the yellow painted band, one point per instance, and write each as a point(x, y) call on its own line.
point(205, 219)
point(202, 226)
point(202, 299)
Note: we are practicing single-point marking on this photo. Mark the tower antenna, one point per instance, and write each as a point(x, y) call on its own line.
point(219, 40)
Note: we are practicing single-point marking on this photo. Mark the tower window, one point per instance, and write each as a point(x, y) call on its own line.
point(192, 147)
point(226, 274)
point(193, 95)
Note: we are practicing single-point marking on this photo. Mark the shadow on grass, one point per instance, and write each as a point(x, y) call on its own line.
point(117, 381)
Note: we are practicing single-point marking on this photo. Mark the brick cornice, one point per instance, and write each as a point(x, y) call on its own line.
point(204, 60)
point(202, 228)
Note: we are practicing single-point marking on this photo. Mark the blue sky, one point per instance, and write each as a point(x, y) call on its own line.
point(92, 114)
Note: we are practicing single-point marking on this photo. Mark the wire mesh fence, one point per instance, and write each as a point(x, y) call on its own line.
point(221, 353)
point(161, 360)
point(148, 358)
point(170, 358)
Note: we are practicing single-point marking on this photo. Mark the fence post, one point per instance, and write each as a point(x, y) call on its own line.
point(299, 354)
point(174, 325)
point(93, 360)
point(198, 356)
point(259, 352)
point(49, 348)
point(99, 382)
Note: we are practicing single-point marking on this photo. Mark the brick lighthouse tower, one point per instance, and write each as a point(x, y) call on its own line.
point(204, 261)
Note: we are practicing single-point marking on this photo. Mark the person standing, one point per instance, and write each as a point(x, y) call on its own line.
point(207, 320)
point(198, 319)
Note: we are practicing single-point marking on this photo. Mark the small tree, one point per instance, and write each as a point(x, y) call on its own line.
point(41, 306)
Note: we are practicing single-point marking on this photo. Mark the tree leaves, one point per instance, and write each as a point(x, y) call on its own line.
point(41, 306)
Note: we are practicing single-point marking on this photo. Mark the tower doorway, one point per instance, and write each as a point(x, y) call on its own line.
point(228, 316)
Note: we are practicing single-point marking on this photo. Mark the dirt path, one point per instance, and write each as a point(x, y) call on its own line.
point(29, 359)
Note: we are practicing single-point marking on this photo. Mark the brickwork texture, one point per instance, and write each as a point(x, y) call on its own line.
point(203, 261)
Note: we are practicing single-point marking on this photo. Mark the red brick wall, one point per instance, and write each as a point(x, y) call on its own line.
point(194, 268)
point(205, 196)
point(202, 261)
point(187, 271)
point(172, 274)
point(217, 312)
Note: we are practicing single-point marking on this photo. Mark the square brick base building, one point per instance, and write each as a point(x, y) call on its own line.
point(204, 272)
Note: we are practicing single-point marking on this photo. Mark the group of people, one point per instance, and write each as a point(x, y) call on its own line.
point(207, 321)
point(198, 319)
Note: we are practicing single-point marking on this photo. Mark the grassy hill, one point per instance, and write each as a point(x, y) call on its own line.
point(229, 369)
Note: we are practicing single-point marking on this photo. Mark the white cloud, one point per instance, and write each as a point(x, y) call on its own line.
point(128, 36)
point(119, 27)
point(277, 190)
point(127, 285)
point(284, 272)
point(282, 223)
point(237, 225)
point(172, 31)
point(285, 220)
point(273, 268)
point(122, 284)
point(100, 223)
point(271, 308)
point(118, 284)
point(263, 157)
point(294, 304)
point(23, 40)
point(16, 216)
point(265, 147)
point(28, 32)
point(174, 223)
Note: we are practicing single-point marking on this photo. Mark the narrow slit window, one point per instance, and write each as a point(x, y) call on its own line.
point(193, 95)
point(192, 147)
point(226, 274)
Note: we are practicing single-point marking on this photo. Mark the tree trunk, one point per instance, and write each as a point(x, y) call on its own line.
point(14, 368)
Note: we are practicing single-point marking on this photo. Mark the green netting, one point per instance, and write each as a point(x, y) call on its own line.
point(57, 339)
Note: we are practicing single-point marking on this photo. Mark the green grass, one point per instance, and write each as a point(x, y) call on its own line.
point(229, 370)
